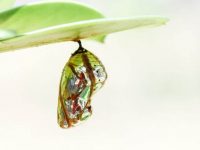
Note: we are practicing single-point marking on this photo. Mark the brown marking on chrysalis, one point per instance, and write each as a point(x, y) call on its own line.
point(89, 71)
point(72, 121)
point(63, 108)
point(73, 69)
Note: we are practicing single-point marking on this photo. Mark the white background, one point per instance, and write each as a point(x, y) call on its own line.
point(151, 100)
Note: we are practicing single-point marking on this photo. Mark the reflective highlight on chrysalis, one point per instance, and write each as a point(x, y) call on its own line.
point(82, 76)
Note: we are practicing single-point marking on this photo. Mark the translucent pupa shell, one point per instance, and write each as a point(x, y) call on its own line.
point(82, 76)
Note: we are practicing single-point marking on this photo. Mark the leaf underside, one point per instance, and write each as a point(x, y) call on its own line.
point(44, 23)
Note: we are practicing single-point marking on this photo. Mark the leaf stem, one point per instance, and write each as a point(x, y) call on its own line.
point(80, 45)
point(81, 49)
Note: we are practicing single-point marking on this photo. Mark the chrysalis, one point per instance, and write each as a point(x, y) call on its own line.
point(82, 76)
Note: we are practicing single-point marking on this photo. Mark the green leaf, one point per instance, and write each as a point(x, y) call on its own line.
point(43, 23)
point(41, 15)
point(5, 4)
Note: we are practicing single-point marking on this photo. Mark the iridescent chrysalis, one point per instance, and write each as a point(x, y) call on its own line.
point(82, 76)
